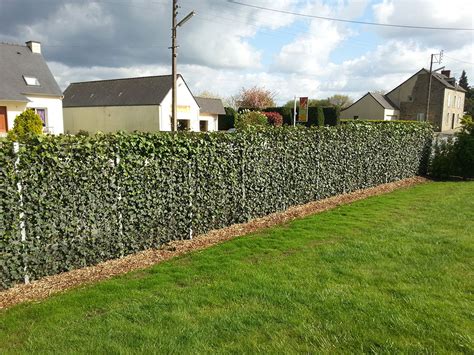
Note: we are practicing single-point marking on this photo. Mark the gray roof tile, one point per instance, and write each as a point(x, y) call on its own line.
point(118, 92)
point(210, 105)
point(383, 100)
point(17, 61)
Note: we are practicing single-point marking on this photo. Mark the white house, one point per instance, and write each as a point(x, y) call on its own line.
point(27, 83)
point(371, 106)
point(132, 104)
point(209, 111)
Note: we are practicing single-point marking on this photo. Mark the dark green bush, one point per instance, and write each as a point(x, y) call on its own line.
point(227, 121)
point(89, 199)
point(455, 157)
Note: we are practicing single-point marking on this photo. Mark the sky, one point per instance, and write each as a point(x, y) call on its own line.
point(227, 46)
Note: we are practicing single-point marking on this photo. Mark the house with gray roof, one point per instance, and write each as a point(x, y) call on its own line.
point(209, 111)
point(27, 83)
point(135, 104)
point(371, 106)
point(408, 101)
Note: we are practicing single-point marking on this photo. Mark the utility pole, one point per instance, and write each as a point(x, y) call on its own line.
point(174, 123)
point(435, 58)
point(174, 47)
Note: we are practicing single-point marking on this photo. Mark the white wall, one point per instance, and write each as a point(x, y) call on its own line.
point(188, 108)
point(390, 115)
point(54, 112)
point(53, 106)
point(14, 108)
point(212, 120)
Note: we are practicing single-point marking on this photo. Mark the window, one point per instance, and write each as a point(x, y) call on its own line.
point(184, 125)
point(203, 126)
point(356, 117)
point(449, 100)
point(420, 116)
point(42, 113)
point(31, 80)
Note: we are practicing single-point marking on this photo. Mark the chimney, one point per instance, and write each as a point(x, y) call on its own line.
point(446, 73)
point(35, 47)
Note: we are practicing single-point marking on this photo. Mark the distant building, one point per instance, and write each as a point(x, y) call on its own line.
point(408, 102)
point(27, 83)
point(209, 111)
point(371, 106)
point(135, 104)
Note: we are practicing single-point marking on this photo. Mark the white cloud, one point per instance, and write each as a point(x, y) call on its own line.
point(428, 13)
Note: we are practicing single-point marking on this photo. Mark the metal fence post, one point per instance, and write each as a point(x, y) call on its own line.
point(16, 151)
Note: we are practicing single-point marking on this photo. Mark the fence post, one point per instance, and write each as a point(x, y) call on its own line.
point(191, 191)
point(119, 199)
point(16, 151)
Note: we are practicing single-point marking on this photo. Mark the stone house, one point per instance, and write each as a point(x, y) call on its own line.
point(408, 101)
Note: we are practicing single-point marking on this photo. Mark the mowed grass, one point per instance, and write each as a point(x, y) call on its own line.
point(392, 273)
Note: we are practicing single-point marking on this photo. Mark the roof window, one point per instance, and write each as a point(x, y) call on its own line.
point(31, 80)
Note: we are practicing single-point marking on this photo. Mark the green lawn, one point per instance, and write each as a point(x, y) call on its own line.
point(393, 273)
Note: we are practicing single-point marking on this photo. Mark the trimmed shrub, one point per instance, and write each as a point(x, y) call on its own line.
point(227, 121)
point(274, 119)
point(320, 116)
point(285, 112)
point(90, 199)
point(247, 119)
point(26, 124)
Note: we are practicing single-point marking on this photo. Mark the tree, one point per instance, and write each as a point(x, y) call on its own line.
point(26, 124)
point(208, 94)
point(311, 103)
point(255, 98)
point(463, 81)
point(341, 101)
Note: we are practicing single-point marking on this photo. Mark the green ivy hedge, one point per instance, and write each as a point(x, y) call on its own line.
point(89, 199)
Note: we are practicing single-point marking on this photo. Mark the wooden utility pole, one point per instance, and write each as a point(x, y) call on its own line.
point(174, 119)
point(435, 58)
point(174, 47)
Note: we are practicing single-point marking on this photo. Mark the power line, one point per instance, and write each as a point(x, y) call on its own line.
point(350, 21)
point(459, 60)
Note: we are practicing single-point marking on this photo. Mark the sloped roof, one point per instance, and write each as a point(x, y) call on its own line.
point(443, 79)
point(210, 105)
point(149, 90)
point(17, 61)
point(439, 77)
point(383, 100)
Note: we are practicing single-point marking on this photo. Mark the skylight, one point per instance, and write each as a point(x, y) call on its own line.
point(31, 80)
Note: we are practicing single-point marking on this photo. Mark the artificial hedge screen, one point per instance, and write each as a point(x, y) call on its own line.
point(84, 200)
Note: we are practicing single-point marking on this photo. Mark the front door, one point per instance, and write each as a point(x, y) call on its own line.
point(3, 119)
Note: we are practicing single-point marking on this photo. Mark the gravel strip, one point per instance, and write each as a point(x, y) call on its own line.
point(40, 289)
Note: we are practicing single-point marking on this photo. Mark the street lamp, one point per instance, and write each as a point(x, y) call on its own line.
point(173, 60)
